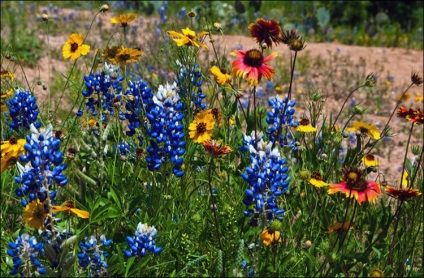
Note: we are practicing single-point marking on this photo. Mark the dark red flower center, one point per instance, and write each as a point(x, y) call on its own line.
point(253, 58)
point(201, 128)
point(124, 57)
point(363, 129)
point(74, 47)
point(317, 176)
point(304, 122)
point(13, 141)
point(370, 157)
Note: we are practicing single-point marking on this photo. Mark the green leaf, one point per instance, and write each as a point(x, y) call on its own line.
point(377, 252)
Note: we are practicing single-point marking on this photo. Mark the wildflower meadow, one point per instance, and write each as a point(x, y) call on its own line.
point(140, 139)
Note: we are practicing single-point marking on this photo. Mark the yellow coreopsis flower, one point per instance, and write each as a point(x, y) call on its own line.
point(127, 55)
point(188, 37)
point(202, 126)
point(123, 19)
point(370, 161)
point(365, 129)
point(35, 213)
point(221, 76)
point(305, 126)
point(270, 235)
point(316, 180)
point(74, 47)
point(69, 208)
point(10, 151)
point(7, 74)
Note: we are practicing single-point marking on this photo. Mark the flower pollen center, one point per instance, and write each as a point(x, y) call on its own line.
point(363, 129)
point(201, 128)
point(253, 58)
point(317, 176)
point(74, 47)
point(13, 141)
point(304, 122)
point(370, 157)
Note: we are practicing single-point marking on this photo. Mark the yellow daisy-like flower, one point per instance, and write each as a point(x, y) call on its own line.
point(370, 161)
point(111, 52)
point(316, 180)
point(127, 55)
point(35, 213)
point(304, 126)
point(188, 37)
point(366, 129)
point(202, 126)
point(123, 19)
point(419, 97)
point(3, 106)
point(73, 48)
point(337, 227)
point(7, 74)
point(10, 151)
point(221, 76)
point(70, 208)
point(270, 235)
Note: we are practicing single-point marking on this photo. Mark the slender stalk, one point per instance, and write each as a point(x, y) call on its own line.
point(254, 116)
point(406, 154)
point(344, 103)
point(391, 116)
point(214, 208)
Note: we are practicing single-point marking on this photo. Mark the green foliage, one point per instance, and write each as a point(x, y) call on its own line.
point(200, 217)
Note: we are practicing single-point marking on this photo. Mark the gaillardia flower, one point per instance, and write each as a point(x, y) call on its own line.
point(35, 213)
point(266, 31)
point(221, 76)
point(69, 208)
point(252, 65)
point(415, 116)
point(402, 193)
point(354, 185)
point(215, 149)
point(370, 161)
point(316, 180)
point(123, 19)
point(188, 37)
point(365, 129)
point(10, 151)
point(305, 126)
point(270, 235)
point(127, 55)
point(202, 126)
point(73, 48)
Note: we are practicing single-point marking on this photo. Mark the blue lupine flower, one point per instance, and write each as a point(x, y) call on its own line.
point(182, 13)
point(269, 87)
point(44, 166)
point(281, 115)
point(139, 94)
point(142, 242)
point(55, 242)
point(166, 129)
point(352, 102)
point(24, 252)
point(23, 110)
point(93, 257)
point(267, 177)
point(260, 92)
point(102, 89)
point(189, 82)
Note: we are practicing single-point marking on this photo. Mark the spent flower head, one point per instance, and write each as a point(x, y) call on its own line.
point(266, 31)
